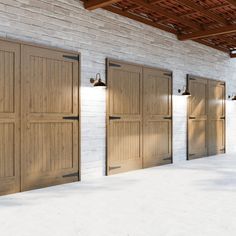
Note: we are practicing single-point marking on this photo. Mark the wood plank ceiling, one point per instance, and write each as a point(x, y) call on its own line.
point(210, 22)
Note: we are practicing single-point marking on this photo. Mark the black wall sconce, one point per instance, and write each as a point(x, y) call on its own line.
point(97, 82)
point(184, 91)
point(233, 97)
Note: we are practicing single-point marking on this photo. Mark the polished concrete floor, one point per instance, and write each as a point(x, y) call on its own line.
point(195, 198)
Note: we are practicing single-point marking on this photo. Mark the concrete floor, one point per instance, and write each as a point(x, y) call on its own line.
point(196, 198)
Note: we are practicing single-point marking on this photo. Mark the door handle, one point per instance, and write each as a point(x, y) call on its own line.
point(114, 117)
point(71, 118)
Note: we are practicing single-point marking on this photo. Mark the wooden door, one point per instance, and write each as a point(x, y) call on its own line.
point(124, 117)
point(197, 117)
point(50, 140)
point(157, 117)
point(216, 117)
point(9, 117)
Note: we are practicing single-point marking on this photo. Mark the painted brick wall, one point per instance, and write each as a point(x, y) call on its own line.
point(100, 34)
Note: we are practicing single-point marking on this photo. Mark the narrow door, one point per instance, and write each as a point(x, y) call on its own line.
point(124, 117)
point(216, 117)
point(50, 140)
point(157, 117)
point(9, 117)
point(197, 118)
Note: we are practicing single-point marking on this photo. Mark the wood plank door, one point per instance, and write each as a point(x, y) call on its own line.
point(197, 117)
point(157, 117)
point(9, 117)
point(124, 117)
point(216, 117)
point(50, 110)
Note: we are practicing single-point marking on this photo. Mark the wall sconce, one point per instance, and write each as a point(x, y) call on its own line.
point(233, 97)
point(184, 91)
point(97, 82)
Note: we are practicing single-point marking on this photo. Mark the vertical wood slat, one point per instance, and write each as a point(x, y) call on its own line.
point(50, 143)
point(206, 133)
point(125, 134)
point(129, 137)
point(197, 117)
point(9, 117)
point(157, 117)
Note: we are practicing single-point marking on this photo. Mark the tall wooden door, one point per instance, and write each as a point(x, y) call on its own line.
point(157, 117)
point(197, 117)
point(216, 117)
point(9, 117)
point(124, 117)
point(50, 140)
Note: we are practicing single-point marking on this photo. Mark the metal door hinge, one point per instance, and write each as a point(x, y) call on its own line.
point(71, 175)
point(222, 150)
point(167, 118)
point(114, 118)
point(76, 58)
point(71, 118)
point(167, 159)
point(114, 167)
point(114, 65)
point(192, 79)
point(191, 154)
point(168, 74)
point(222, 118)
point(192, 118)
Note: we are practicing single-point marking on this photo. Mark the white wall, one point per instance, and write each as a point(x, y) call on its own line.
point(100, 34)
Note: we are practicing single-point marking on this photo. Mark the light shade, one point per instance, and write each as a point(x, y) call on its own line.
point(97, 82)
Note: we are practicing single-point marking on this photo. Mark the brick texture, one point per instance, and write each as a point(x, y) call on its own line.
point(100, 34)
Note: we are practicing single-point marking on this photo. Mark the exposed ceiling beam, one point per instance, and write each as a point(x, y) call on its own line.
point(94, 4)
point(207, 13)
point(162, 11)
point(233, 2)
point(208, 33)
point(140, 19)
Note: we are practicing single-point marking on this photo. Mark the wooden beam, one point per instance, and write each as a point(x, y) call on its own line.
point(94, 4)
point(233, 2)
point(207, 13)
point(208, 33)
point(162, 11)
point(140, 19)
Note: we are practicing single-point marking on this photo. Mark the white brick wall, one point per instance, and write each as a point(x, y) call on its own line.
point(100, 34)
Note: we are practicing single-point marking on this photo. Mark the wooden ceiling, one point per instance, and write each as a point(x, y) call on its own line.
point(210, 22)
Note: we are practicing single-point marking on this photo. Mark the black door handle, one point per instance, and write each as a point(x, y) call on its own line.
point(114, 117)
point(71, 118)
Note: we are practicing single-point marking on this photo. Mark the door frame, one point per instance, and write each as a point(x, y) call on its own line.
point(107, 61)
point(22, 43)
point(188, 76)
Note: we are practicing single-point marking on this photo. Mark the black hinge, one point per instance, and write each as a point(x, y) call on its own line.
point(76, 58)
point(222, 118)
point(222, 84)
point(114, 118)
point(71, 175)
point(192, 118)
point(71, 118)
point(167, 159)
point(191, 155)
point(114, 65)
point(114, 167)
point(192, 79)
point(168, 74)
point(222, 150)
point(167, 118)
